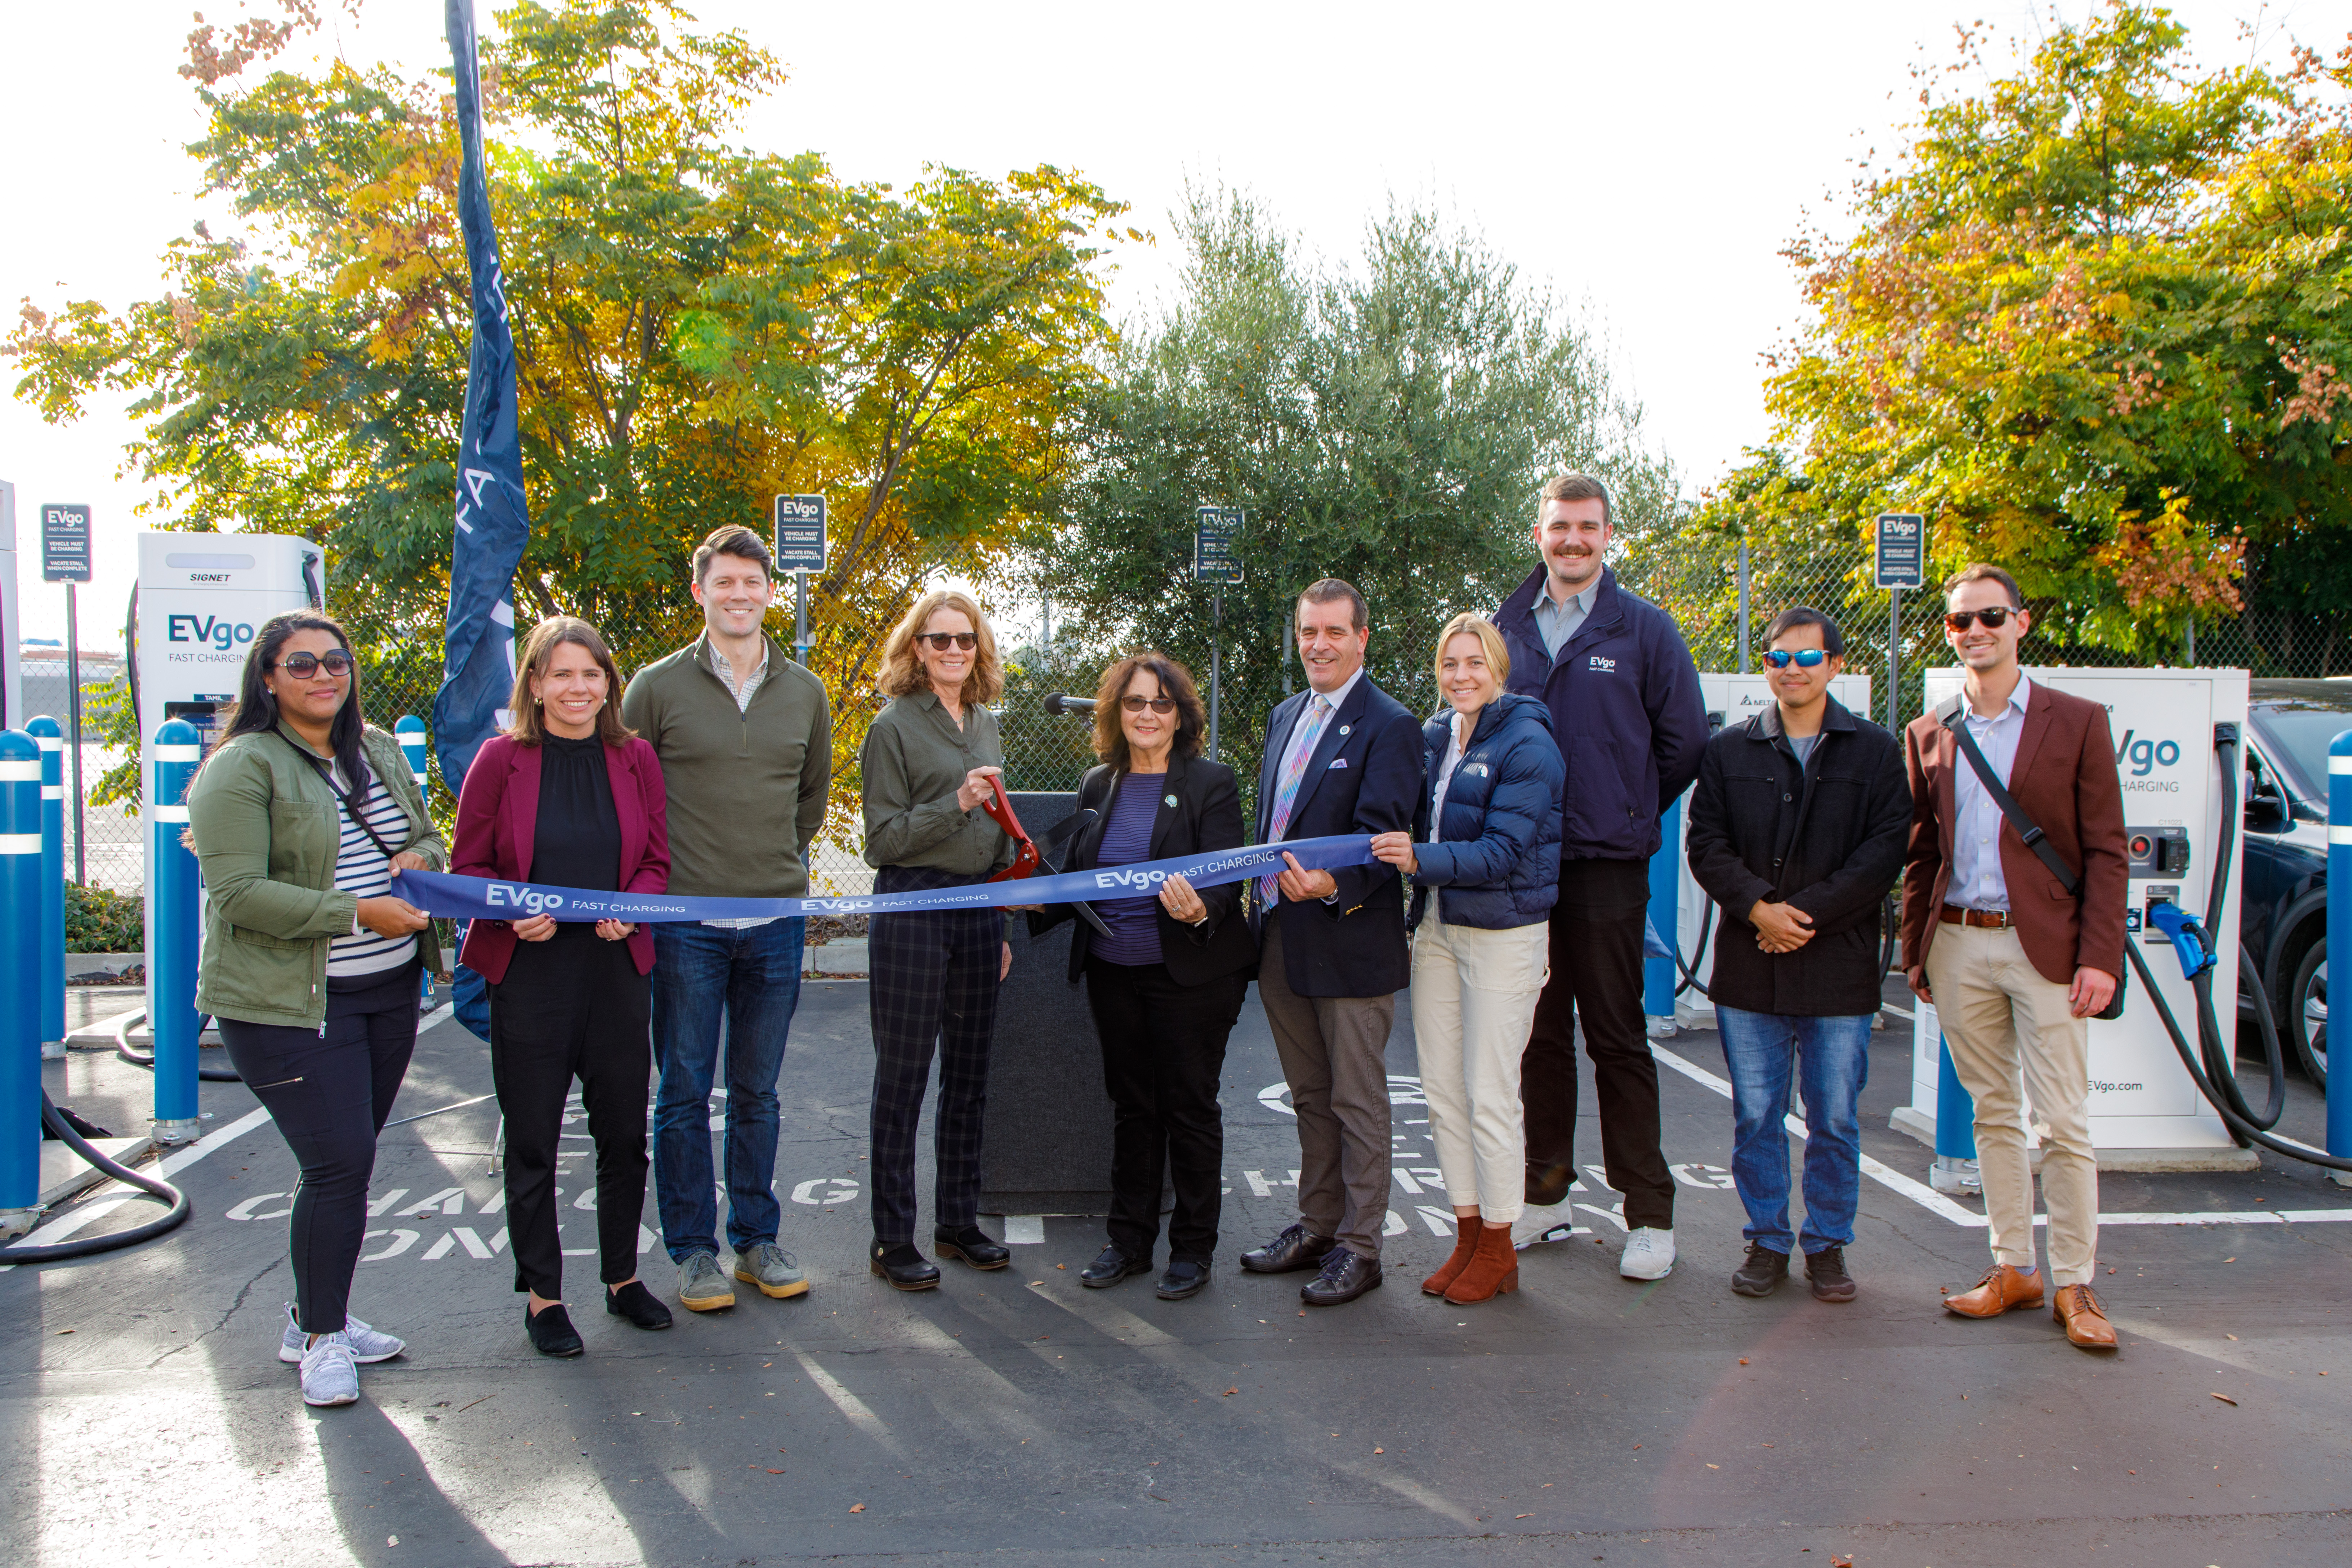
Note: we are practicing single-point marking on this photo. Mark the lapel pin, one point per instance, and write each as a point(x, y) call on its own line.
point(1343, 729)
point(1167, 800)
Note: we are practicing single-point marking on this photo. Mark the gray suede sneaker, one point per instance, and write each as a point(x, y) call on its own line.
point(701, 1285)
point(775, 1271)
point(330, 1375)
point(368, 1345)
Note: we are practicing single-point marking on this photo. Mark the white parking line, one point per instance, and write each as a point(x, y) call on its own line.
point(1936, 1203)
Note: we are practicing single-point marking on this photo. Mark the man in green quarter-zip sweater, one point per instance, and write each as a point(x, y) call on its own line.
point(744, 738)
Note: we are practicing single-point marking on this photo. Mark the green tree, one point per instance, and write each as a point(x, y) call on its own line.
point(1387, 424)
point(2089, 326)
point(700, 326)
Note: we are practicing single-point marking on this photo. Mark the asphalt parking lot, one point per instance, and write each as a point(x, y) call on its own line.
point(1585, 1419)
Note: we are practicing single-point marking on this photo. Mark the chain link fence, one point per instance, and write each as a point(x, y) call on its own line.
point(1695, 576)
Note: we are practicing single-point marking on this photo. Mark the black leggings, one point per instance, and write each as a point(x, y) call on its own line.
point(331, 1091)
point(573, 1005)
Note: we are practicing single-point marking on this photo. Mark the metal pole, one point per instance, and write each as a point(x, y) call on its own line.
point(1894, 661)
point(1743, 607)
point(1216, 666)
point(2339, 932)
point(20, 992)
point(800, 616)
point(2189, 649)
point(73, 727)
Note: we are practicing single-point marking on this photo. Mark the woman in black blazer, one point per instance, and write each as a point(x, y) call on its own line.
point(1167, 983)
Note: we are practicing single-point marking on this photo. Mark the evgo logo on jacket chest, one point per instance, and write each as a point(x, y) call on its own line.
point(1602, 664)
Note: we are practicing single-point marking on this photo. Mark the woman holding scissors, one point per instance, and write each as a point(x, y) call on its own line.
point(929, 764)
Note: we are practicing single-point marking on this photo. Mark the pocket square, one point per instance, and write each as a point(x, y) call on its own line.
point(1338, 762)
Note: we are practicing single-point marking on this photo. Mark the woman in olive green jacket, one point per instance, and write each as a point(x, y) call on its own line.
point(299, 819)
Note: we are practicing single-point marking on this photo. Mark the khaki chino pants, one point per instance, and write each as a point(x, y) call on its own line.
point(2003, 1020)
point(1334, 1052)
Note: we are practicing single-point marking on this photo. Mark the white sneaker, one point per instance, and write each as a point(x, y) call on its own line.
point(330, 1373)
point(368, 1345)
point(1552, 1221)
point(1649, 1253)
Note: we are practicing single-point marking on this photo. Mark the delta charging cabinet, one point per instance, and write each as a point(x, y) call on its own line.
point(1730, 700)
point(201, 598)
point(2145, 1112)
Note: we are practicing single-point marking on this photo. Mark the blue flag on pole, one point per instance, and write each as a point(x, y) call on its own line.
point(493, 522)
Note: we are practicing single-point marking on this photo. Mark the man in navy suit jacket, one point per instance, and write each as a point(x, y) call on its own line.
point(1341, 757)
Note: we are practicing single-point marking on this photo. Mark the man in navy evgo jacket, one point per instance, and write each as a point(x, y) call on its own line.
point(1625, 708)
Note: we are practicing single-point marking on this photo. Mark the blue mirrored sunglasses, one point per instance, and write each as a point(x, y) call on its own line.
point(1806, 657)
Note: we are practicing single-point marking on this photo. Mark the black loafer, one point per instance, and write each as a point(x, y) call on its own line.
point(1548, 1184)
point(1185, 1277)
point(904, 1268)
point(1288, 1253)
point(637, 1304)
point(973, 1246)
point(1111, 1266)
point(1762, 1274)
point(551, 1330)
point(1346, 1275)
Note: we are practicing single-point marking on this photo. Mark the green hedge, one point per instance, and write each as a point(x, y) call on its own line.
point(99, 920)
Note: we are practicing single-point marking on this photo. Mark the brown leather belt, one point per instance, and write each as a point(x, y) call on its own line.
point(1987, 919)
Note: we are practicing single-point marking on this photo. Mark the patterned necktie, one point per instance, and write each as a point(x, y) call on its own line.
point(1294, 768)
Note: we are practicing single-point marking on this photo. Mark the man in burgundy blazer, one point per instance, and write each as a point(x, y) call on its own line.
point(2014, 963)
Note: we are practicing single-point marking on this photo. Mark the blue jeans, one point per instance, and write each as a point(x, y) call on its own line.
point(749, 980)
point(1832, 1060)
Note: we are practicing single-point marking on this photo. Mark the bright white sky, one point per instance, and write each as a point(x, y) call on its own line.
point(1646, 162)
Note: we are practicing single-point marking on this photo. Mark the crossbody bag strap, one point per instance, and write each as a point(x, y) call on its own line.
point(2027, 829)
point(342, 797)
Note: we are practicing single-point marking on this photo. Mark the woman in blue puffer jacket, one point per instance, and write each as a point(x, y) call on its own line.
point(1484, 856)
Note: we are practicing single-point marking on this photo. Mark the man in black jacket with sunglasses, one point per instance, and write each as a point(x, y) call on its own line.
point(1797, 830)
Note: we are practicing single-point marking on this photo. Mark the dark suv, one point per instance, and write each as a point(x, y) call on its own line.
point(2282, 921)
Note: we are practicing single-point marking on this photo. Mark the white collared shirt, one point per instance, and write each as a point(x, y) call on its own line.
point(1977, 881)
point(1337, 699)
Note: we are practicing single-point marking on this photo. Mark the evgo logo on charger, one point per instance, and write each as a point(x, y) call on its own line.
point(220, 633)
point(2138, 758)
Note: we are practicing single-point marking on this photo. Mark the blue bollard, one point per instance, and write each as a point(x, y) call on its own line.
point(414, 741)
point(1955, 1170)
point(20, 992)
point(1665, 915)
point(51, 739)
point(2339, 932)
point(172, 936)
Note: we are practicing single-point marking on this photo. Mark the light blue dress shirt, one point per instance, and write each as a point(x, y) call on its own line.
point(1556, 622)
point(1977, 881)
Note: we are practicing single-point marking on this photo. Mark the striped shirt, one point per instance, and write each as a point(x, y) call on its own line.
point(361, 868)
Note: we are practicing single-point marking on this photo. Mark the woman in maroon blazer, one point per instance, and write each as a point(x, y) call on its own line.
point(568, 798)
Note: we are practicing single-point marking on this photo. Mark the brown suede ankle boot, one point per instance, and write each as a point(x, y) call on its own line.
point(1494, 1268)
point(1466, 1230)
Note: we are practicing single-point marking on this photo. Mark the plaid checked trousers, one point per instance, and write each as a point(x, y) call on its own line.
point(933, 986)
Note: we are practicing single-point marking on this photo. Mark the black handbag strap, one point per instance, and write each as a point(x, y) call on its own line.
point(1948, 714)
point(343, 796)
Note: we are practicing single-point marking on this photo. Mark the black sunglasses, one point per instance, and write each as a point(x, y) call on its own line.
point(1962, 620)
point(940, 640)
point(1157, 704)
point(303, 665)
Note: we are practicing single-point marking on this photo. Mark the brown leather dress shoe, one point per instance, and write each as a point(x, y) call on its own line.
point(2001, 1288)
point(2086, 1325)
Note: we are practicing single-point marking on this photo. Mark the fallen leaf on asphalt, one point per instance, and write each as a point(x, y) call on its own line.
point(1523, 1516)
point(2228, 1260)
point(1743, 1360)
point(775, 1472)
point(2225, 1399)
point(858, 1507)
point(1768, 1445)
point(1379, 1450)
point(1061, 1266)
point(1229, 1394)
point(1637, 1445)
point(1841, 1562)
point(64, 1331)
point(2229, 1336)
point(1715, 1466)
